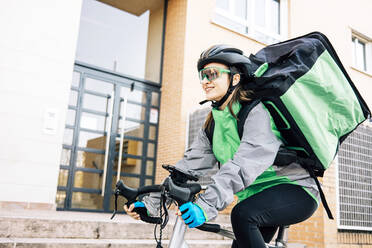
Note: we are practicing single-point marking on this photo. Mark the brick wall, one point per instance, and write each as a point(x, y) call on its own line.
point(171, 140)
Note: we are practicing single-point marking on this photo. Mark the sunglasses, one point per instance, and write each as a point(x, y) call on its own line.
point(211, 73)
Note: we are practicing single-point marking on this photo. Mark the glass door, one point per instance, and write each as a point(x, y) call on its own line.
point(111, 125)
point(111, 128)
point(135, 141)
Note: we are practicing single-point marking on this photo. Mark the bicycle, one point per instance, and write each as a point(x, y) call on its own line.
point(176, 188)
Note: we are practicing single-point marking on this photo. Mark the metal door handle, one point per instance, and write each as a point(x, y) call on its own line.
point(107, 143)
point(122, 139)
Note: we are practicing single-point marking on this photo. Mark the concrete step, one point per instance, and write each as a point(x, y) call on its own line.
point(77, 225)
point(103, 243)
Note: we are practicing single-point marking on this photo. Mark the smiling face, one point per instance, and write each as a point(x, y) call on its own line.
point(216, 88)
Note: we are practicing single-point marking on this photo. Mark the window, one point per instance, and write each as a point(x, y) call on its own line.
point(362, 55)
point(355, 180)
point(263, 20)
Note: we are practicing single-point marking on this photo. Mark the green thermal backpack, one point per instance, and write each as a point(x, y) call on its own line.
point(311, 98)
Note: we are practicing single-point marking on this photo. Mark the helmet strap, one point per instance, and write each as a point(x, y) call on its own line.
point(217, 104)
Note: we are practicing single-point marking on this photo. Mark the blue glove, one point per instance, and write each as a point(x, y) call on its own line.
point(138, 204)
point(192, 214)
point(140, 208)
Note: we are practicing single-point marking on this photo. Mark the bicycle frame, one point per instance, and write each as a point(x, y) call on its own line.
point(178, 236)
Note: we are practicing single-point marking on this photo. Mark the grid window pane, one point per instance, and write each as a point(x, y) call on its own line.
point(60, 198)
point(133, 129)
point(223, 4)
point(62, 178)
point(92, 140)
point(149, 168)
point(68, 136)
point(260, 12)
point(97, 103)
point(98, 86)
point(155, 99)
point(355, 180)
point(65, 157)
point(135, 95)
point(150, 150)
point(70, 117)
point(75, 79)
point(87, 180)
point(86, 201)
point(132, 147)
point(260, 19)
point(241, 8)
point(136, 112)
point(73, 98)
point(359, 53)
point(274, 16)
point(94, 122)
point(152, 133)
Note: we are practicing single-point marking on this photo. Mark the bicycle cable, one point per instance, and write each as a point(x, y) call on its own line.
point(164, 216)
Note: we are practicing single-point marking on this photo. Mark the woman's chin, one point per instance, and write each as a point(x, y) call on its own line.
point(212, 97)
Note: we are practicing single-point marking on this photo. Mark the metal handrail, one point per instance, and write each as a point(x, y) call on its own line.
point(107, 143)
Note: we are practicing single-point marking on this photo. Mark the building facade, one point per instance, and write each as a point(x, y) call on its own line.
point(113, 90)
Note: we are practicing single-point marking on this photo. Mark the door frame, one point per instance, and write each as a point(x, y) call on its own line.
point(118, 80)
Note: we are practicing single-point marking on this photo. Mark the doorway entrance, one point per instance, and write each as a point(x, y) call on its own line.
point(111, 128)
point(112, 117)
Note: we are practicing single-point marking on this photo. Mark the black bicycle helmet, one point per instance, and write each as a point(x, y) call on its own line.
point(233, 58)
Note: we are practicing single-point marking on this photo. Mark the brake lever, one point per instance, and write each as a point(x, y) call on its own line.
point(116, 203)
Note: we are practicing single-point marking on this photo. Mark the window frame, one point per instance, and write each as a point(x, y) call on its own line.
point(252, 28)
point(367, 52)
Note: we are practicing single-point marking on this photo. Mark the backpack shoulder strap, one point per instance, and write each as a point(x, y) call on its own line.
point(243, 113)
point(242, 116)
point(209, 132)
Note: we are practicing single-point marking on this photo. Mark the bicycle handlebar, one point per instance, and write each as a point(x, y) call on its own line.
point(131, 195)
point(181, 192)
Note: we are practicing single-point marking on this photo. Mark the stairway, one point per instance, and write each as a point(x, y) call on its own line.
point(57, 229)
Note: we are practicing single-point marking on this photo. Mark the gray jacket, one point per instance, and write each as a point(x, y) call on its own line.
point(256, 153)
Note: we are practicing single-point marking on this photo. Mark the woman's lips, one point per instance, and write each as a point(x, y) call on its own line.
point(208, 89)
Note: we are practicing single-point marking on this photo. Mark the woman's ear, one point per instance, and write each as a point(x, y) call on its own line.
point(236, 79)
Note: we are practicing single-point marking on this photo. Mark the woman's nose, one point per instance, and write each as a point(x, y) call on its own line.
point(205, 81)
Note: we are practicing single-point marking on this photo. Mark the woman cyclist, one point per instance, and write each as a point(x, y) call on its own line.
point(269, 195)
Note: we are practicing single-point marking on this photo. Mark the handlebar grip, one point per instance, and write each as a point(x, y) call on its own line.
point(215, 228)
point(183, 193)
point(148, 189)
point(144, 217)
point(131, 194)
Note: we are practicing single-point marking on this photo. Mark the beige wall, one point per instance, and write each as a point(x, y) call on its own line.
point(37, 47)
